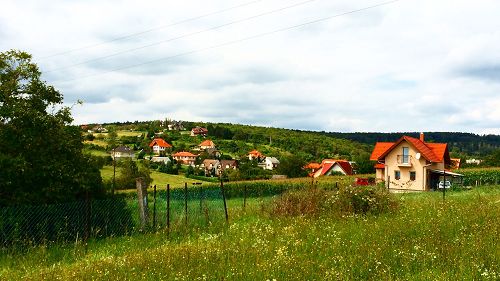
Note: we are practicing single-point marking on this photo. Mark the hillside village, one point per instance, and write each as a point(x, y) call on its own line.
point(172, 149)
point(236, 152)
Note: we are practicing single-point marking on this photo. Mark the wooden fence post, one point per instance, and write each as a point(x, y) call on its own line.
point(142, 197)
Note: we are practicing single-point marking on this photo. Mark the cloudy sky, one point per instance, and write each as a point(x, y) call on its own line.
point(333, 65)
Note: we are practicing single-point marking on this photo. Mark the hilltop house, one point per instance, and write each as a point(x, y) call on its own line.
point(199, 131)
point(330, 166)
point(411, 164)
point(269, 163)
point(206, 144)
point(122, 152)
point(254, 154)
point(229, 164)
point(212, 167)
point(185, 157)
point(159, 146)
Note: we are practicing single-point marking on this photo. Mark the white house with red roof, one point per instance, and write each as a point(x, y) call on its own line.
point(331, 166)
point(185, 157)
point(411, 164)
point(159, 146)
point(255, 154)
point(206, 144)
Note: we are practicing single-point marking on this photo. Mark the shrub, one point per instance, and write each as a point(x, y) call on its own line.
point(364, 199)
point(347, 200)
point(309, 201)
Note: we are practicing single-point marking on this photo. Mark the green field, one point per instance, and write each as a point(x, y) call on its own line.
point(425, 239)
point(159, 179)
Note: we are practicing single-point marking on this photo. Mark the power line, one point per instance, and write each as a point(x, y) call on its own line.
point(182, 36)
point(236, 41)
point(150, 30)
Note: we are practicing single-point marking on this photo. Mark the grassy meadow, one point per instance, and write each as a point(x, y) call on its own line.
point(426, 238)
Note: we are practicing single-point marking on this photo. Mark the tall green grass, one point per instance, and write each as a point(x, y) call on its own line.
point(426, 239)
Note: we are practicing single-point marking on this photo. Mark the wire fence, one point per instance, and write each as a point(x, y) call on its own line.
point(191, 206)
point(182, 208)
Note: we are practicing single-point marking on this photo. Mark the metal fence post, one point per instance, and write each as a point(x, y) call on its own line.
point(186, 202)
point(154, 207)
point(224, 199)
point(168, 207)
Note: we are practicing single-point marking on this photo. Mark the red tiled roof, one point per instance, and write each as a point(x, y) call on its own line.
point(207, 143)
point(255, 153)
point(199, 130)
point(380, 148)
point(346, 166)
point(160, 142)
point(327, 164)
point(379, 166)
point(312, 165)
point(184, 154)
point(433, 152)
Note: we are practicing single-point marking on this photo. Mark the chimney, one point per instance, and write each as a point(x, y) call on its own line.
point(422, 137)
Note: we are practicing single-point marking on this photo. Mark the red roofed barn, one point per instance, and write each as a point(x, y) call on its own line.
point(411, 164)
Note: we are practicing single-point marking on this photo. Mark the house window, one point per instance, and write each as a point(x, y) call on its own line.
point(413, 175)
point(397, 175)
point(406, 155)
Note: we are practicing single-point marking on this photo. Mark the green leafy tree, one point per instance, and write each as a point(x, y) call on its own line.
point(41, 159)
point(291, 166)
point(130, 172)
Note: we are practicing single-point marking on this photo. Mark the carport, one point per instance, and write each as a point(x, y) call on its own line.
point(435, 176)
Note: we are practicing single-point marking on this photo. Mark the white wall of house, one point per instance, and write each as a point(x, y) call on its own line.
point(335, 168)
point(418, 166)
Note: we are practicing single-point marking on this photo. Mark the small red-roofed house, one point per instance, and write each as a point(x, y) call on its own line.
point(159, 146)
point(331, 166)
point(254, 154)
point(411, 164)
point(185, 157)
point(206, 144)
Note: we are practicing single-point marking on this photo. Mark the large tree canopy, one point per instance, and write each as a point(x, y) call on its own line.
point(41, 159)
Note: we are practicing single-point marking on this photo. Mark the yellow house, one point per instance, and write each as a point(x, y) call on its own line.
point(411, 164)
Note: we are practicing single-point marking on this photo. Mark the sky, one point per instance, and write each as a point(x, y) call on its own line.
point(323, 65)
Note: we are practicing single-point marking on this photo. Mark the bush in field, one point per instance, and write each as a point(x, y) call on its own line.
point(364, 199)
point(309, 201)
point(347, 200)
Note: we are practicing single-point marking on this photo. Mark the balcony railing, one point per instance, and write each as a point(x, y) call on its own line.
point(404, 160)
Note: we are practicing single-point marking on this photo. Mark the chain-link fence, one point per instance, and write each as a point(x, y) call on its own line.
point(173, 208)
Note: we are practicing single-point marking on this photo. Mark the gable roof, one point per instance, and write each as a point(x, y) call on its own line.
point(199, 130)
point(207, 143)
point(328, 164)
point(160, 142)
point(273, 160)
point(229, 162)
point(184, 154)
point(433, 152)
point(207, 162)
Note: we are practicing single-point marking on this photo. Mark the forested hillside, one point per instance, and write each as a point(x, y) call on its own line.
point(467, 143)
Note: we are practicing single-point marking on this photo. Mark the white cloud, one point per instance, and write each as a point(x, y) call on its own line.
point(408, 66)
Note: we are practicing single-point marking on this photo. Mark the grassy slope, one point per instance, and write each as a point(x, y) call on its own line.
point(160, 179)
point(425, 240)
